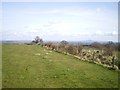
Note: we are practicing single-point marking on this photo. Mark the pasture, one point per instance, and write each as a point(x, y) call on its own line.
point(32, 66)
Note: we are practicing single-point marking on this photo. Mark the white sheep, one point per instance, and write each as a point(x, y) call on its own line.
point(37, 54)
point(47, 53)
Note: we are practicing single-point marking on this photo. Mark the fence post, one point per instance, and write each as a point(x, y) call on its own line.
point(113, 61)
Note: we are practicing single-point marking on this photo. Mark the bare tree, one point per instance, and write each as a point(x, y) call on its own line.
point(38, 40)
point(64, 42)
point(70, 49)
point(79, 49)
point(97, 45)
point(109, 48)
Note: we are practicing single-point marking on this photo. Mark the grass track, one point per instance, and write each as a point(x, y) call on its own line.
point(23, 68)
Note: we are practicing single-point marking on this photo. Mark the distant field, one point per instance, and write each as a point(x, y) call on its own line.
point(32, 66)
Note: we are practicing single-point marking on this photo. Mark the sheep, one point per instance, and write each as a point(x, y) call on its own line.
point(37, 54)
point(47, 53)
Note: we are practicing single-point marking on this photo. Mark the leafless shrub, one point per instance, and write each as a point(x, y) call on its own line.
point(70, 49)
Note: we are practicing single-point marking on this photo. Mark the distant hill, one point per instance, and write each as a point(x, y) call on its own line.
point(19, 42)
point(87, 42)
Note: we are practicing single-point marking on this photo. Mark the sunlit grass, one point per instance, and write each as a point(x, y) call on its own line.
point(34, 66)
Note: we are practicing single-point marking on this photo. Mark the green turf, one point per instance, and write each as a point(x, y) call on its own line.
point(24, 68)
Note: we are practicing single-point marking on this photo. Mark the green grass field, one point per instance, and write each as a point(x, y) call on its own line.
point(32, 66)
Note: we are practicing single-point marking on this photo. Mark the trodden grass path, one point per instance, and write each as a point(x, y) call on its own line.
point(32, 66)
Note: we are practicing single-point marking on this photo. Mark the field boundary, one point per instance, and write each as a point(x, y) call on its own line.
point(75, 56)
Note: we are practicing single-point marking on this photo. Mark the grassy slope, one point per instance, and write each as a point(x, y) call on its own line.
point(22, 68)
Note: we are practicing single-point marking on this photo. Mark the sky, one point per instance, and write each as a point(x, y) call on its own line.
point(56, 21)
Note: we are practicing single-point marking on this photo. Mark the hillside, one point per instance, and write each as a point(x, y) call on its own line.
point(32, 66)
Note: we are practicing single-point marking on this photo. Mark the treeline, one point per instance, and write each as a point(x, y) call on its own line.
point(105, 54)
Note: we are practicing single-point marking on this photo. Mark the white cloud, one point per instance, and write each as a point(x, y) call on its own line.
point(98, 10)
point(114, 33)
point(68, 22)
point(99, 33)
point(15, 33)
point(32, 31)
point(66, 11)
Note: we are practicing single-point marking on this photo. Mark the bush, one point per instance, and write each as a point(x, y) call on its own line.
point(71, 49)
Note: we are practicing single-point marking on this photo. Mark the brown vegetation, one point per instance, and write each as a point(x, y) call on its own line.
point(96, 52)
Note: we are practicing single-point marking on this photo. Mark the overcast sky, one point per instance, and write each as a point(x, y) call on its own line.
point(74, 21)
